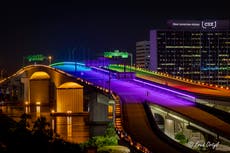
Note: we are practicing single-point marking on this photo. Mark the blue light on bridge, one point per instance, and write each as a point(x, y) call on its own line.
point(71, 66)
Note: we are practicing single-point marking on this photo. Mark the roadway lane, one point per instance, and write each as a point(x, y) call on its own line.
point(136, 124)
point(179, 84)
point(189, 87)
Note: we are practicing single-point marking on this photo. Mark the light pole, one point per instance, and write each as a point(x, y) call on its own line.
point(50, 59)
point(131, 60)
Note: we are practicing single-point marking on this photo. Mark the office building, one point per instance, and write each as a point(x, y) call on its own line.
point(199, 50)
point(143, 54)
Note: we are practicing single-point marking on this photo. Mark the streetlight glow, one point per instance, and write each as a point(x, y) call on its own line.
point(50, 59)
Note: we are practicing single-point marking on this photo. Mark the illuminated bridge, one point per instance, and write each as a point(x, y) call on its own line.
point(135, 98)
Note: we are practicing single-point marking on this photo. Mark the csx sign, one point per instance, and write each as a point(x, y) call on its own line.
point(208, 24)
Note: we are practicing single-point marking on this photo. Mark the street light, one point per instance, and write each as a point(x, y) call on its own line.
point(50, 59)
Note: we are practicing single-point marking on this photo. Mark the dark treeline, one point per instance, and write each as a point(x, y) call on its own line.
point(17, 137)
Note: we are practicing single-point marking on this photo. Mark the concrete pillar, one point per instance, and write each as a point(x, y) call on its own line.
point(69, 100)
point(169, 127)
point(98, 108)
point(39, 91)
point(26, 92)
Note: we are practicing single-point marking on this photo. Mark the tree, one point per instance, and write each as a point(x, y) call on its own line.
point(108, 139)
point(181, 137)
point(42, 130)
point(23, 123)
point(110, 130)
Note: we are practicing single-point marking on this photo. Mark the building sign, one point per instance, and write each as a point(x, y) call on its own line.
point(116, 53)
point(36, 58)
point(206, 25)
point(199, 25)
point(185, 24)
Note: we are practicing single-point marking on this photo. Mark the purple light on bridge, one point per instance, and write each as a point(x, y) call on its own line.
point(99, 69)
point(191, 98)
point(132, 93)
point(101, 61)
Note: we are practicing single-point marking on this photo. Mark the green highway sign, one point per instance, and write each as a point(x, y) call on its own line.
point(116, 53)
point(35, 58)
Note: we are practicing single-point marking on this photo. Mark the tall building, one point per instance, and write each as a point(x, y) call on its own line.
point(199, 50)
point(143, 54)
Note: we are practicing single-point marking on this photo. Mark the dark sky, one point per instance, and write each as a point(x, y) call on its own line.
point(90, 28)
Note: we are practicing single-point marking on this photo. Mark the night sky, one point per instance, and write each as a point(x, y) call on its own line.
point(86, 30)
